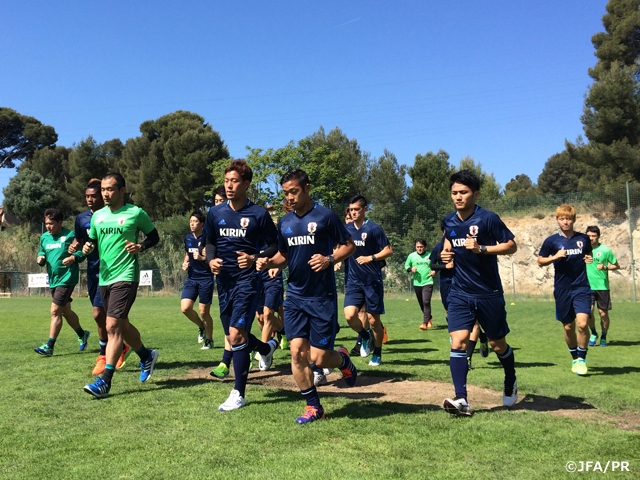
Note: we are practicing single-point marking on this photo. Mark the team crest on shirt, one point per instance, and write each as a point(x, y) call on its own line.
point(473, 230)
point(364, 236)
point(579, 244)
point(121, 221)
point(244, 222)
point(63, 238)
point(311, 227)
point(599, 254)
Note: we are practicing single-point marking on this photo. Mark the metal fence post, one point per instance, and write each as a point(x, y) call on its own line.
point(633, 263)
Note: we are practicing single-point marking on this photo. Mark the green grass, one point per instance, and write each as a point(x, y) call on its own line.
point(170, 426)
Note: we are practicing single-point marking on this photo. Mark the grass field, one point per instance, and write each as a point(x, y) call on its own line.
point(169, 427)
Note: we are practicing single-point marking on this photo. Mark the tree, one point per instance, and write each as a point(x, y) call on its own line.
point(90, 159)
point(53, 164)
point(561, 174)
point(430, 176)
point(386, 184)
point(168, 168)
point(29, 194)
point(20, 136)
point(489, 187)
point(611, 115)
point(520, 186)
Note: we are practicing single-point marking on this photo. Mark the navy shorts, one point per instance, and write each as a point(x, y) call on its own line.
point(194, 288)
point(94, 289)
point(490, 312)
point(444, 293)
point(313, 319)
point(238, 304)
point(570, 302)
point(370, 295)
point(271, 295)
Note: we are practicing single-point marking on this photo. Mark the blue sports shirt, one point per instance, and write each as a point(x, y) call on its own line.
point(447, 274)
point(81, 230)
point(301, 237)
point(245, 230)
point(198, 269)
point(369, 240)
point(570, 272)
point(476, 274)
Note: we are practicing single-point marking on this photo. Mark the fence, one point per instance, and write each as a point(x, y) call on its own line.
point(615, 211)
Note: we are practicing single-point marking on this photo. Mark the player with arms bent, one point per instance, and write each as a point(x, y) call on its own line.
point(114, 232)
point(473, 238)
point(568, 251)
point(306, 237)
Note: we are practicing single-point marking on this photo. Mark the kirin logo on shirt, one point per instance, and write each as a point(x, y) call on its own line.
point(311, 227)
point(473, 230)
point(244, 222)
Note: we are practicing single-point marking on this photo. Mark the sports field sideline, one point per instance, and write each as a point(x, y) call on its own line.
point(391, 425)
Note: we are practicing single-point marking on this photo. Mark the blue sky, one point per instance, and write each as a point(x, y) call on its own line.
point(500, 81)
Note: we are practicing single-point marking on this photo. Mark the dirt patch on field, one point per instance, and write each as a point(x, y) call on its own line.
point(431, 394)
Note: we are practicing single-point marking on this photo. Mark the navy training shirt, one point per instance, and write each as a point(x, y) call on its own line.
point(570, 272)
point(301, 237)
point(198, 269)
point(81, 230)
point(245, 230)
point(369, 240)
point(476, 274)
point(447, 274)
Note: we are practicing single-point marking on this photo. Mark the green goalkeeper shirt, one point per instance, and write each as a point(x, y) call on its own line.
point(421, 276)
point(112, 230)
point(599, 279)
point(54, 248)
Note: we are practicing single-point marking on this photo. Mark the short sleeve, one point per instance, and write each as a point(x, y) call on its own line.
point(41, 251)
point(337, 231)
point(499, 230)
point(186, 245)
point(381, 237)
point(407, 263)
point(92, 229)
point(282, 242)
point(269, 233)
point(546, 250)
point(612, 257)
point(144, 223)
point(77, 227)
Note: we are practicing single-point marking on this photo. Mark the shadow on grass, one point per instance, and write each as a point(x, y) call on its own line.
point(540, 403)
point(210, 364)
point(525, 364)
point(417, 361)
point(613, 370)
point(407, 341)
point(623, 343)
point(408, 350)
point(371, 409)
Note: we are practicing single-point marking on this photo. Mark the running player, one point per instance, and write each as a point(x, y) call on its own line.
point(473, 238)
point(419, 264)
point(234, 232)
point(63, 278)
point(219, 195)
point(568, 250)
point(93, 197)
point(306, 237)
point(363, 280)
point(602, 262)
point(115, 229)
point(199, 282)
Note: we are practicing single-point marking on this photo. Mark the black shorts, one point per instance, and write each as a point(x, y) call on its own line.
point(118, 298)
point(602, 298)
point(62, 295)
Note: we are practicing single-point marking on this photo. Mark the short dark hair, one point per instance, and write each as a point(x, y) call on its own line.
point(420, 240)
point(94, 183)
point(467, 178)
point(220, 191)
point(594, 229)
point(358, 199)
point(120, 183)
point(199, 215)
point(296, 174)
point(54, 214)
point(243, 169)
